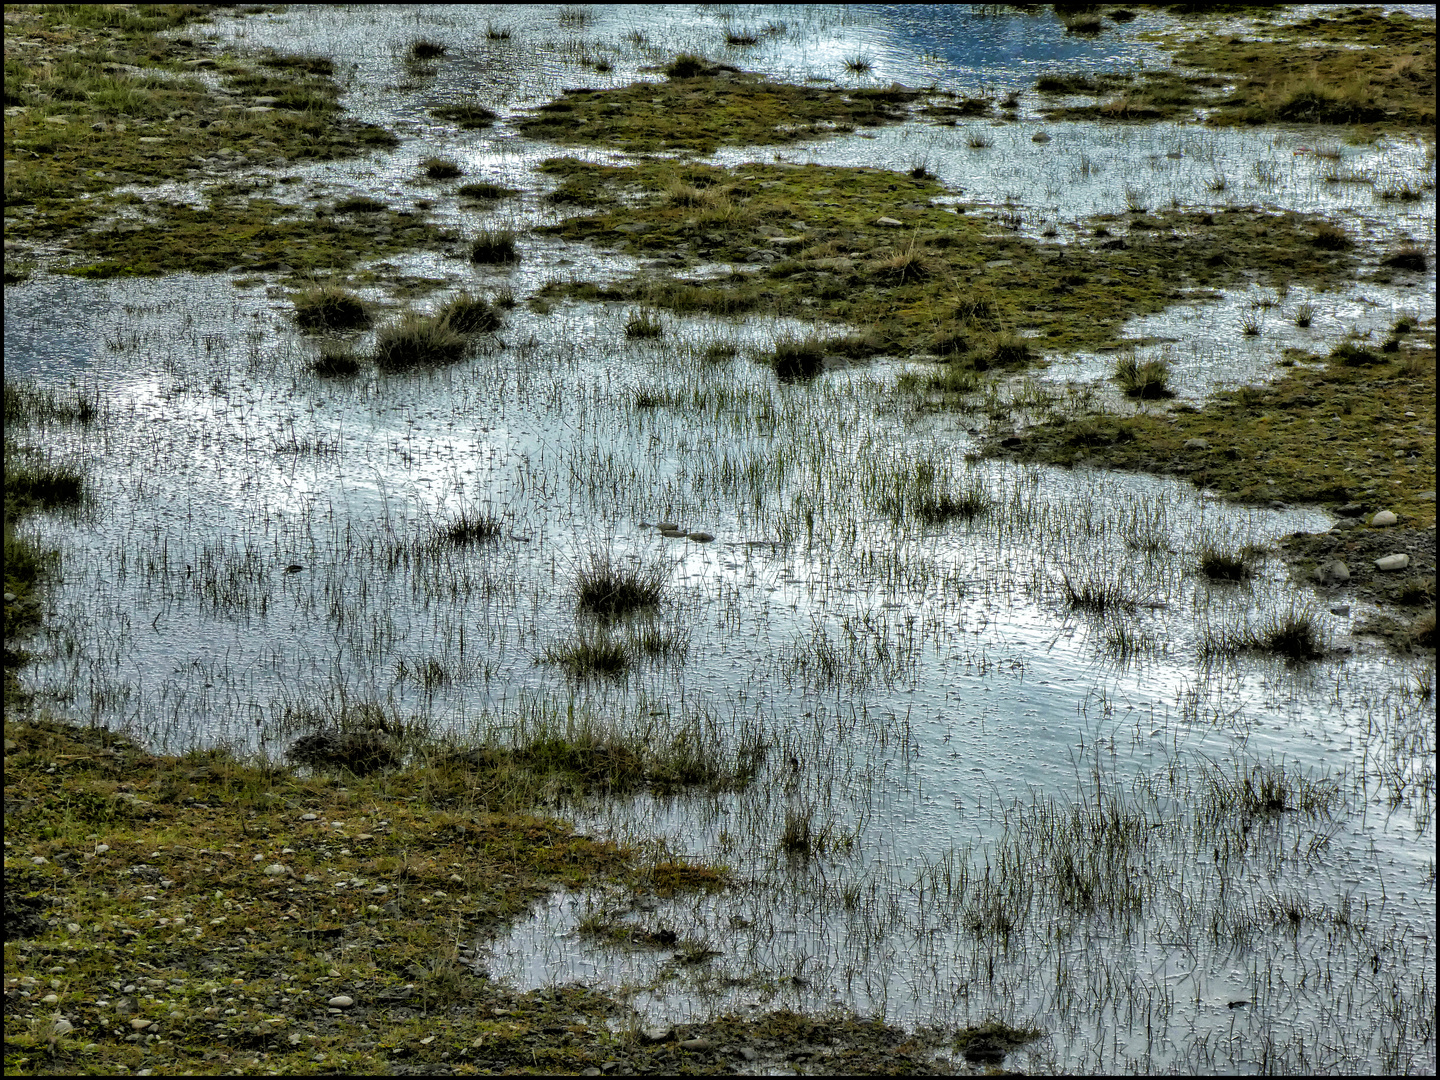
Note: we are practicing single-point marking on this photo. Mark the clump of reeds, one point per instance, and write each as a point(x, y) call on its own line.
point(469, 528)
point(416, 340)
point(1218, 564)
point(1095, 594)
point(1330, 237)
point(494, 246)
point(425, 49)
point(1407, 258)
point(687, 66)
point(470, 117)
point(484, 190)
point(1352, 355)
point(607, 589)
point(468, 314)
point(592, 653)
point(328, 307)
point(905, 267)
point(440, 168)
point(644, 324)
point(360, 204)
point(336, 360)
point(1148, 381)
point(798, 358)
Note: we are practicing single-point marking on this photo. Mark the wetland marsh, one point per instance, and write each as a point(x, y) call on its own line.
point(719, 539)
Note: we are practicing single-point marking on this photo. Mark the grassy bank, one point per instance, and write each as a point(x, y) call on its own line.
point(203, 915)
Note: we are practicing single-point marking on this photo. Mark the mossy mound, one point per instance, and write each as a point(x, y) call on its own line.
point(711, 107)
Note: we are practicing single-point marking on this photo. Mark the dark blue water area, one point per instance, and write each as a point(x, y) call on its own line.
point(1001, 50)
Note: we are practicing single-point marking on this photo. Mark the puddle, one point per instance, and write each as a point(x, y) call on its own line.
point(919, 685)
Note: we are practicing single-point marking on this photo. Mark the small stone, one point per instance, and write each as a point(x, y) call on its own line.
point(50, 999)
point(890, 222)
point(61, 1027)
point(1345, 525)
point(1384, 518)
point(695, 1044)
point(1351, 509)
point(341, 1001)
point(140, 1024)
point(1334, 572)
point(1425, 496)
point(276, 870)
point(746, 1052)
point(1040, 137)
point(1340, 609)
point(10, 598)
point(672, 534)
point(656, 1033)
point(1393, 562)
point(701, 537)
point(1197, 444)
point(667, 526)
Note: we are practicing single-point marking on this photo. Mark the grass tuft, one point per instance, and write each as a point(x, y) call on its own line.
point(441, 169)
point(1330, 237)
point(360, 204)
point(644, 324)
point(468, 314)
point(416, 340)
point(798, 358)
point(606, 589)
point(1147, 381)
point(424, 49)
point(327, 307)
point(687, 66)
point(1220, 565)
point(484, 191)
point(1407, 258)
point(494, 246)
point(335, 361)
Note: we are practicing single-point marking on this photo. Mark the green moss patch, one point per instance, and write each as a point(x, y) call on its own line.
point(1360, 66)
point(876, 249)
point(714, 107)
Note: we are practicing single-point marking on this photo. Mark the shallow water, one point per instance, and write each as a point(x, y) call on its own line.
point(928, 681)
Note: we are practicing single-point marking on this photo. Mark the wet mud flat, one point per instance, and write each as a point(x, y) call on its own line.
point(207, 913)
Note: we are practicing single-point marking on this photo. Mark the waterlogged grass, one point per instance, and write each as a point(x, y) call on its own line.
point(953, 284)
point(97, 101)
point(1310, 436)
